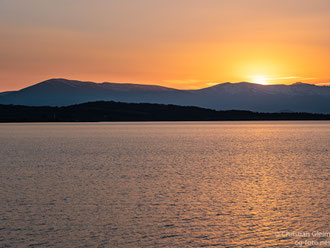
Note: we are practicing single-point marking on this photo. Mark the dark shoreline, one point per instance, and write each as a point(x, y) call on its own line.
point(102, 111)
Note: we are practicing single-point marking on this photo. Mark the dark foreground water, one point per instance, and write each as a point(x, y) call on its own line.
point(225, 184)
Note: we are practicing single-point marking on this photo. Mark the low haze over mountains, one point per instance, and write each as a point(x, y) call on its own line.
point(297, 97)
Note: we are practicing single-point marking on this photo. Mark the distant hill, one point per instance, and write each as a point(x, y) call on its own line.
point(116, 111)
point(297, 97)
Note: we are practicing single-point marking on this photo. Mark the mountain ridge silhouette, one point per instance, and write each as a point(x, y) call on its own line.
point(298, 97)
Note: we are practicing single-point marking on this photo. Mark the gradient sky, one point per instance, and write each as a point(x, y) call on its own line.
point(181, 43)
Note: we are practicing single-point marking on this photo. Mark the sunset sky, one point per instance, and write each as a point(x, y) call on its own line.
point(181, 44)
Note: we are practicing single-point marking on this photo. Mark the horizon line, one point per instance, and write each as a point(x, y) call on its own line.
point(209, 84)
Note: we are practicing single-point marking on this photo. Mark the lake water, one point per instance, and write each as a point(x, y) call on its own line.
point(180, 184)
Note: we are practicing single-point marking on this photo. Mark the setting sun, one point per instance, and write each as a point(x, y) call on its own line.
point(259, 79)
point(203, 42)
point(146, 123)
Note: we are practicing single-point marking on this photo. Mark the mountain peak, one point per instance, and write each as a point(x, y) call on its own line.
point(56, 81)
point(302, 84)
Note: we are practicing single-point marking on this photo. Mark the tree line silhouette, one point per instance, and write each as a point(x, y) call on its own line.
point(119, 111)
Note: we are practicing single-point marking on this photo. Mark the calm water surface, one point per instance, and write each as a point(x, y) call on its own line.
point(219, 184)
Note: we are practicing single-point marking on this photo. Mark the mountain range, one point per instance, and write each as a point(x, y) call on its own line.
point(298, 97)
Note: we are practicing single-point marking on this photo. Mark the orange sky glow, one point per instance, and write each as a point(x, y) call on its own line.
point(184, 44)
